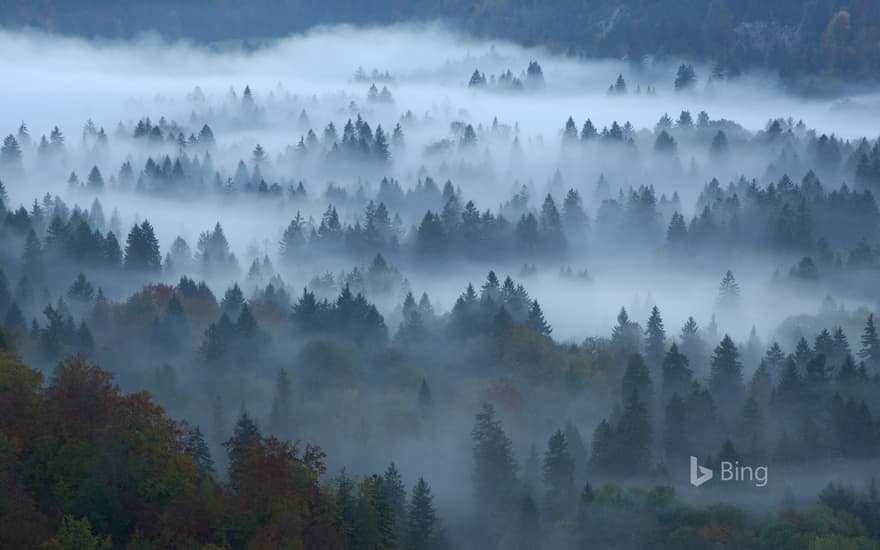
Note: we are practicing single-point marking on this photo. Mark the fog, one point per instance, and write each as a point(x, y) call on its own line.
point(499, 142)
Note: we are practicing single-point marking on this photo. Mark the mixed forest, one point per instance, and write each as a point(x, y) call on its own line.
point(247, 316)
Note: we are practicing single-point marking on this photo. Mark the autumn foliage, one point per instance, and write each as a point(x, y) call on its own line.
point(81, 459)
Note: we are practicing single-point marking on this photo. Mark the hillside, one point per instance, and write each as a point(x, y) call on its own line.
point(827, 37)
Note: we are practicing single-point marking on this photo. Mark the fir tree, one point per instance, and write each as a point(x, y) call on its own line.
point(655, 341)
point(536, 320)
point(726, 376)
point(870, 343)
point(423, 527)
point(728, 292)
point(558, 475)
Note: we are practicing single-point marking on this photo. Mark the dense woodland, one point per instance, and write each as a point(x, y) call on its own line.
point(794, 37)
point(258, 318)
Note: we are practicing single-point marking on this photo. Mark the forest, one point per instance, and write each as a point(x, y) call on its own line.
point(795, 38)
point(389, 288)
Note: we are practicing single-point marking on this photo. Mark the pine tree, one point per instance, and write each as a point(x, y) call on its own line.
point(726, 377)
point(728, 292)
point(395, 496)
point(634, 436)
point(495, 467)
point(719, 144)
point(692, 344)
point(95, 180)
point(774, 359)
point(536, 320)
point(677, 375)
point(675, 429)
point(870, 350)
point(380, 146)
point(685, 77)
point(197, 448)
point(625, 336)
point(655, 341)
point(576, 446)
point(637, 380)
point(604, 448)
point(423, 527)
point(558, 474)
point(10, 153)
point(142, 249)
point(244, 437)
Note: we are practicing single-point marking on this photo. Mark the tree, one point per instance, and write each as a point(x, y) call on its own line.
point(380, 146)
point(423, 527)
point(637, 380)
point(574, 217)
point(536, 320)
point(685, 77)
point(655, 341)
point(726, 377)
point(477, 79)
point(677, 375)
point(551, 226)
point(76, 534)
point(494, 465)
point(95, 180)
point(558, 474)
point(293, 240)
point(665, 143)
point(197, 448)
point(10, 153)
point(394, 494)
point(728, 292)
point(870, 350)
point(625, 336)
point(719, 144)
point(634, 438)
point(245, 436)
point(142, 249)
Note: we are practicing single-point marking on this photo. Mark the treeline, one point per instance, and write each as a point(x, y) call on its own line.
point(828, 37)
point(85, 465)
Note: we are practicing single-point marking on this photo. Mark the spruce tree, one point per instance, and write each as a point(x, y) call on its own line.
point(423, 527)
point(870, 343)
point(677, 375)
point(536, 320)
point(395, 496)
point(637, 380)
point(558, 474)
point(634, 436)
point(726, 377)
point(655, 341)
point(494, 465)
point(728, 292)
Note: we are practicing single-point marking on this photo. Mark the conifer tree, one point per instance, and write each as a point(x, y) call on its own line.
point(558, 474)
point(677, 375)
point(726, 377)
point(655, 341)
point(495, 467)
point(870, 343)
point(536, 320)
point(728, 292)
point(423, 527)
point(637, 380)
